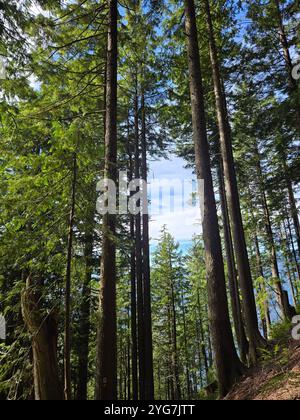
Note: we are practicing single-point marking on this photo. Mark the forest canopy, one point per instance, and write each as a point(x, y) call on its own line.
point(92, 306)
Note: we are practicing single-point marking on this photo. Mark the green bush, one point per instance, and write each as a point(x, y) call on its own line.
point(281, 331)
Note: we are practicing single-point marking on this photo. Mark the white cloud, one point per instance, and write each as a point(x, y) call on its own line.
point(183, 223)
point(36, 10)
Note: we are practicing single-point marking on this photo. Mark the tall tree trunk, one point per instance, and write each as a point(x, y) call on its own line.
point(202, 337)
point(293, 86)
point(134, 351)
point(291, 195)
point(149, 380)
point(196, 383)
point(175, 358)
point(281, 296)
point(266, 319)
point(106, 362)
point(120, 372)
point(256, 341)
point(289, 235)
point(209, 349)
point(139, 256)
point(294, 211)
point(199, 354)
point(85, 309)
point(43, 330)
point(286, 256)
point(232, 274)
point(170, 361)
point(227, 362)
point(159, 380)
point(67, 335)
point(289, 257)
point(186, 350)
point(128, 358)
point(294, 91)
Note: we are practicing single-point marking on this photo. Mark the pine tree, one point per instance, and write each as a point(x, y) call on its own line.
point(106, 375)
point(228, 367)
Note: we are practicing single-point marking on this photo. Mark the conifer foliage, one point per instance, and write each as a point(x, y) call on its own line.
point(92, 305)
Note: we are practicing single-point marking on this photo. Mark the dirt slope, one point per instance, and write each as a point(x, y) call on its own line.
point(277, 379)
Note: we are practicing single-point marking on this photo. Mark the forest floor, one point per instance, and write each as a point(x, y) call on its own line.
point(277, 378)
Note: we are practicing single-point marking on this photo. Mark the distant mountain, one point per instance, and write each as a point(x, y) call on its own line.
point(184, 246)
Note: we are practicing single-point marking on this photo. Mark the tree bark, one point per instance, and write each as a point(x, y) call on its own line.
point(171, 375)
point(68, 330)
point(128, 359)
point(85, 310)
point(290, 239)
point(134, 351)
point(149, 380)
point(228, 365)
point(106, 361)
point(186, 350)
point(202, 337)
point(293, 86)
point(291, 195)
point(139, 257)
point(266, 318)
point(200, 361)
point(294, 212)
point(286, 256)
point(43, 329)
point(174, 352)
point(232, 274)
point(260, 269)
point(280, 293)
point(256, 341)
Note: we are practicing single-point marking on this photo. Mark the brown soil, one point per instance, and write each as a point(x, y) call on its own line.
point(277, 379)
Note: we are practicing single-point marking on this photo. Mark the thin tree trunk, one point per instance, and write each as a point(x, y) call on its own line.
point(128, 360)
point(159, 382)
point(186, 350)
point(281, 296)
point(294, 211)
point(149, 380)
point(255, 339)
point(121, 364)
point(85, 310)
point(266, 318)
point(210, 351)
point(43, 330)
point(232, 274)
point(139, 257)
point(67, 335)
point(198, 340)
point(202, 338)
point(175, 359)
point(289, 274)
point(291, 195)
point(228, 365)
point(106, 362)
point(289, 64)
point(287, 260)
point(293, 92)
point(171, 376)
point(290, 239)
point(134, 352)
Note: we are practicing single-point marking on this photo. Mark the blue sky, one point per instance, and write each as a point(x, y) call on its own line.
point(182, 224)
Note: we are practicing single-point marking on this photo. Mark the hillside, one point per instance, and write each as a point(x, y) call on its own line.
point(277, 378)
